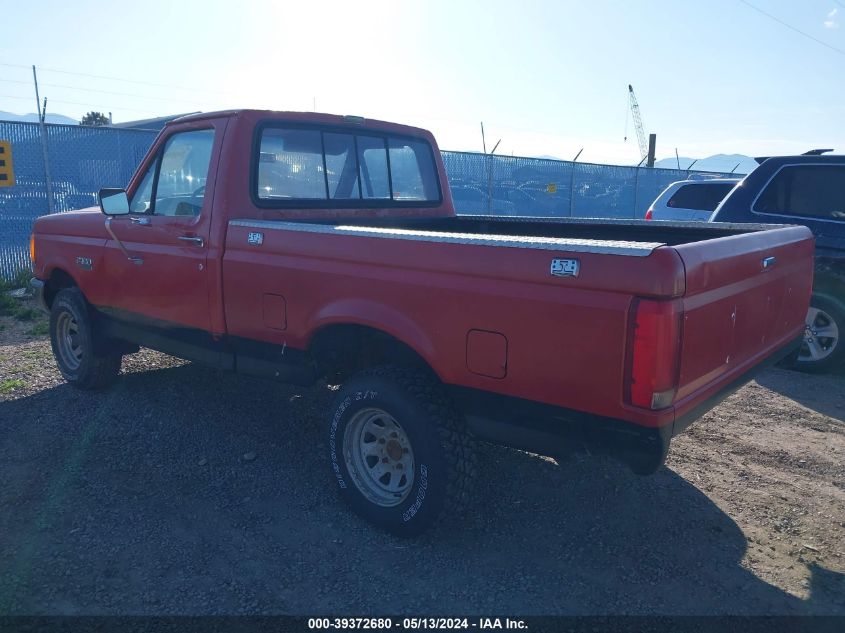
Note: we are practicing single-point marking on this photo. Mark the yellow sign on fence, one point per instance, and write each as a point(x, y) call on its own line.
point(7, 173)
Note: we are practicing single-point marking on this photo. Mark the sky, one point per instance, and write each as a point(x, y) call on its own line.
point(547, 78)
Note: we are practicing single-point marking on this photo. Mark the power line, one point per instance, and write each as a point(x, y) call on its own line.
point(119, 94)
point(792, 28)
point(105, 92)
point(130, 81)
point(88, 105)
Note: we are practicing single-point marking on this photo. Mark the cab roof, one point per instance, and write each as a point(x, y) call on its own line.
point(316, 118)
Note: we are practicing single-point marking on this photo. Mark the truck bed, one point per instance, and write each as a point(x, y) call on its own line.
point(435, 283)
point(630, 231)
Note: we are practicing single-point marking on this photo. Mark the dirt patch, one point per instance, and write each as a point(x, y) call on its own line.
point(21, 321)
point(183, 490)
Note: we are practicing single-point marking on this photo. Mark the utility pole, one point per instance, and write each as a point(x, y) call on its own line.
point(42, 128)
point(37, 96)
point(489, 172)
point(652, 145)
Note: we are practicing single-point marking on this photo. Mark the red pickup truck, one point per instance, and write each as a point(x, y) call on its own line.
point(300, 247)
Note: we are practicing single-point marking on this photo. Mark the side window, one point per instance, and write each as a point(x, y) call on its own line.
point(814, 191)
point(142, 200)
point(180, 187)
point(412, 170)
point(372, 155)
point(290, 165)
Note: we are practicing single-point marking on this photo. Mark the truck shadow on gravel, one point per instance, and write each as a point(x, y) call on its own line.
point(824, 393)
point(187, 491)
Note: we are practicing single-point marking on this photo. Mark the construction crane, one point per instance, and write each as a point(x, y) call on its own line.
point(638, 123)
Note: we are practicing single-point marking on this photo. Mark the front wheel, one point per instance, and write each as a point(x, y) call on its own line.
point(823, 348)
point(400, 453)
point(83, 360)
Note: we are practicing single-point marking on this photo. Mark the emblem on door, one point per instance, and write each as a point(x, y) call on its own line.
point(85, 263)
point(255, 238)
point(565, 267)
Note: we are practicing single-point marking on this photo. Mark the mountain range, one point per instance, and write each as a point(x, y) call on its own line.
point(33, 118)
point(738, 163)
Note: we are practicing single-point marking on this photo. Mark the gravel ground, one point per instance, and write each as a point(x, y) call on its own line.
point(183, 490)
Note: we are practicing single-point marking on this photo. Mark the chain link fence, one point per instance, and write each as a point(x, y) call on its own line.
point(80, 160)
point(503, 185)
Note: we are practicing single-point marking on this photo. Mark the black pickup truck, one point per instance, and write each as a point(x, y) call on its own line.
point(808, 190)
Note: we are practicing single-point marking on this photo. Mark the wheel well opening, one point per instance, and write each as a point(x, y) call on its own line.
point(59, 280)
point(342, 350)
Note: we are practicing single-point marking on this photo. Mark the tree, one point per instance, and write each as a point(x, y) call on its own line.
point(94, 118)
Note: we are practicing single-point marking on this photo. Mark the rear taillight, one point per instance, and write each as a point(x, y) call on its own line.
point(653, 353)
point(32, 248)
point(648, 214)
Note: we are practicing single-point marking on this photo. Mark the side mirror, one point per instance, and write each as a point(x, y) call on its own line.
point(113, 201)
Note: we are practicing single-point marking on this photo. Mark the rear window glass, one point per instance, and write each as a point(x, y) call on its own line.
point(290, 165)
point(700, 196)
point(314, 165)
point(815, 191)
point(412, 170)
point(372, 156)
point(341, 166)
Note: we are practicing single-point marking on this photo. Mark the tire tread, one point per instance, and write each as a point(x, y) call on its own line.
point(458, 443)
point(103, 365)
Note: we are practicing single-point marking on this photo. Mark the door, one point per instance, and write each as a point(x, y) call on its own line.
point(156, 256)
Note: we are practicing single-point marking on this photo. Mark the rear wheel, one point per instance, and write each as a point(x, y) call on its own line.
point(400, 453)
point(84, 360)
point(822, 349)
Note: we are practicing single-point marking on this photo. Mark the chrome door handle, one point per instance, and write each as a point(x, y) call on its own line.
point(194, 240)
point(140, 221)
point(769, 262)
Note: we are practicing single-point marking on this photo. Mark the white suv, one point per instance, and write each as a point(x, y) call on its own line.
point(690, 200)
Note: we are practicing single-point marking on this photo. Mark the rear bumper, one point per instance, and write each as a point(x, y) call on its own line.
point(551, 430)
point(37, 288)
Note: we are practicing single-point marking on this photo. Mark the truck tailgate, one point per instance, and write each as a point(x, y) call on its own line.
point(746, 296)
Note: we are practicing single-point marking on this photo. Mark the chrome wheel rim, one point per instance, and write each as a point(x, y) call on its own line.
point(68, 340)
point(821, 335)
point(379, 457)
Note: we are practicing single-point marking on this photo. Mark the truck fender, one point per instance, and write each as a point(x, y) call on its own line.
point(376, 316)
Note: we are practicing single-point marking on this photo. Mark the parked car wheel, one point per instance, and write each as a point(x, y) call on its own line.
point(400, 453)
point(83, 360)
point(823, 348)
